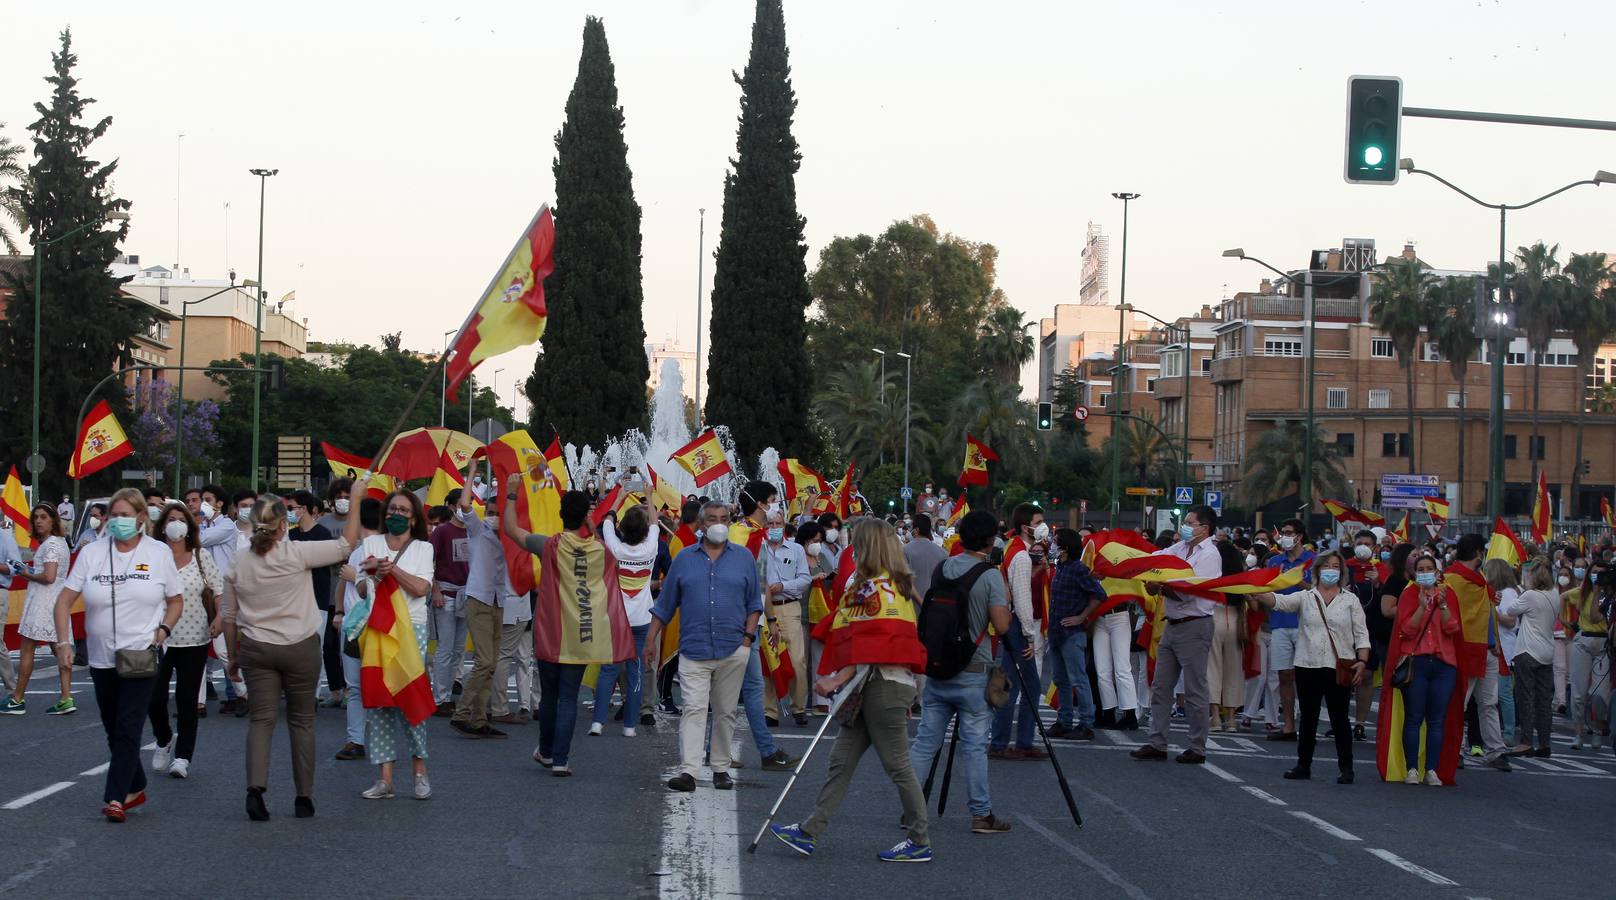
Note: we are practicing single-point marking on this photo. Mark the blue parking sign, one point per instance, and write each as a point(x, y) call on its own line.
point(1214, 499)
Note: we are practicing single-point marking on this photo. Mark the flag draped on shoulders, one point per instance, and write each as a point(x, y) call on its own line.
point(391, 670)
point(101, 443)
point(1476, 601)
point(1389, 759)
point(875, 626)
point(579, 618)
point(678, 542)
point(511, 312)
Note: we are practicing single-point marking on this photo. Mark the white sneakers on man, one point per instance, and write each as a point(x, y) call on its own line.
point(163, 756)
point(180, 768)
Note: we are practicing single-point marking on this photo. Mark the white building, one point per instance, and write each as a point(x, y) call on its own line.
point(656, 353)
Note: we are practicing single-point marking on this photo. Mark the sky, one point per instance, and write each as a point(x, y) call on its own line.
point(415, 140)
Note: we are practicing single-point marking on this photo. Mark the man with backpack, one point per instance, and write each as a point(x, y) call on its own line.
point(967, 593)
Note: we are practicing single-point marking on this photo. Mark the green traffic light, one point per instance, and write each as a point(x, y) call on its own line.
point(1373, 155)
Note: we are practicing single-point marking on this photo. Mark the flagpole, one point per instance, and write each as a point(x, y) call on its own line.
point(498, 274)
point(431, 375)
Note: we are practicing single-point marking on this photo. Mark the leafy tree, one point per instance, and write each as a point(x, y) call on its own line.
point(1399, 308)
point(1003, 345)
point(590, 381)
point(1067, 394)
point(993, 412)
point(11, 214)
point(151, 427)
point(1539, 300)
point(1590, 315)
point(1454, 302)
point(86, 327)
point(1274, 465)
point(760, 283)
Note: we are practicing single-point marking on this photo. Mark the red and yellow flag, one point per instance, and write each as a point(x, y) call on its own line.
point(1344, 513)
point(799, 478)
point(538, 502)
point(102, 442)
point(777, 660)
point(1401, 531)
point(703, 458)
point(961, 510)
point(511, 312)
point(876, 626)
point(664, 498)
point(1605, 511)
point(343, 464)
point(1505, 545)
point(391, 670)
point(840, 499)
point(556, 459)
point(444, 480)
point(1542, 511)
point(677, 542)
point(1437, 508)
point(1475, 617)
point(977, 457)
point(579, 616)
point(14, 509)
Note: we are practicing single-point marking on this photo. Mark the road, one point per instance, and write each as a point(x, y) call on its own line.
point(499, 826)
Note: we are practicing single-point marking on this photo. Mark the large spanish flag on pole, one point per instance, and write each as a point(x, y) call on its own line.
point(102, 442)
point(703, 458)
point(977, 457)
point(799, 478)
point(391, 670)
point(1437, 508)
point(511, 312)
point(1505, 545)
point(1344, 513)
point(14, 509)
point(1542, 511)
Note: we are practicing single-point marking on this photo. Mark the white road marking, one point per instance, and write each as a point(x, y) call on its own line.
point(1561, 764)
point(1226, 776)
point(98, 770)
point(1120, 739)
point(1263, 795)
point(1411, 868)
point(1325, 827)
point(40, 794)
point(701, 842)
point(1100, 868)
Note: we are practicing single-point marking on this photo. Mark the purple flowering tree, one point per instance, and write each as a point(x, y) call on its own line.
point(154, 407)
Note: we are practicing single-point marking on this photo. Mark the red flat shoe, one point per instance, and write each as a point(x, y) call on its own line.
point(139, 800)
point(114, 812)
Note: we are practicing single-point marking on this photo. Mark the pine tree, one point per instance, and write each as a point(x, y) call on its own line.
point(86, 328)
point(590, 381)
point(755, 370)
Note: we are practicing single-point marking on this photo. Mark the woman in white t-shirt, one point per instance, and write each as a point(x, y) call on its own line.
point(37, 627)
point(635, 548)
point(404, 551)
point(132, 600)
point(187, 653)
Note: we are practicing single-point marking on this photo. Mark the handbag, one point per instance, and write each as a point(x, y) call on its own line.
point(998, 688)
point(128, 663)
point(1403, 672)
point(1345, 669)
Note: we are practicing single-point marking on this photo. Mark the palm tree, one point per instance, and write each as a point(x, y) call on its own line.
point(1590, 315)
point(1603, 399)
point(1003, 345)
point(992, 411)
point(851, 405)
point(1152, 457)
point(1399, 309)
point(1274, 464)
point(1539, 299)
point(1455, 302)
point(11, 169)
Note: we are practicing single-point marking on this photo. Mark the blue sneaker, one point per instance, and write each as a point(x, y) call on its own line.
point(14, 707)
point(794, 837)
point(908, 851)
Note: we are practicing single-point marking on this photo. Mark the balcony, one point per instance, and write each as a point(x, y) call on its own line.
point(1276, 306)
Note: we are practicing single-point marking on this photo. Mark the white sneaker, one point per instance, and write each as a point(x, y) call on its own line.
point(163, 756)
point(1413, 777)
point(1432, 779)
point(628, 732)
point(594, 729)
point(180, 768)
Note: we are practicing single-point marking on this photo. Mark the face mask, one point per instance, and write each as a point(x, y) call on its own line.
point(244, 514)
point(1425, 579)
point(1040, 532)
point(95, 523)
point(1251, 561)
point(206, 509)
point(832, 535)
point(292, 516)
point(1362, 551)
point(814, 548)
point(717, 533)
point(776, 535)
point(1186, 533)
point(1385, 556)
point(492, 522)
point(1287, 541)
point(122, 527)
point(1578, 573)
point(1330, 576)
point(397, 524)
point(459, 514)
point(341, 506)
point(176, 530)
point(153, 512)
point(1594, 578)
point(1565, 580)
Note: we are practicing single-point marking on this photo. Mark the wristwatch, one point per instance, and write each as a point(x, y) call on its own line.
point(752, 637)
point(167, 631)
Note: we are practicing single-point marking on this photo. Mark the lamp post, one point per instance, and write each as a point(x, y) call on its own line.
point(880, 446)
point(443, 393)
point(701, 261)
point(258, 326)
point(1183, 331)
point(36, 462)
point(1120, 370)
point(496, 391)
point(908, 384)
point(1495, 448)
point(179, 401)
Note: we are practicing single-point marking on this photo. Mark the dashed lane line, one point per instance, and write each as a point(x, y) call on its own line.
point(1104, 871)
point(40, 794)
point(1263, 795)
point(1223, 774)
point(1412, 868)
point(1324, 826)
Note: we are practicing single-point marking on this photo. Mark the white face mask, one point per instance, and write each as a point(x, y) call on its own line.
point(459, 514)
point(1362, 551)
point(1564, 580)
point(176, 530)
point(152, 512)
point(815, 547)
point(492, 522)
point(95, 523)
point(341, 506)
point(717, 533)
point(1287, 541)
point(244, 513)
point(1040, 532)
point(206, 510)
point(832, 535)
point(1251, 560)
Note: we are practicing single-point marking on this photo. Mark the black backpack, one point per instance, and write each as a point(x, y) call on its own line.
point(945, 622)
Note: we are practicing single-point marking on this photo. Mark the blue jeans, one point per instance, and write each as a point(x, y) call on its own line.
point(1068, 657)
point(354, 703)
point(1425, 701)
point(1506, 707)
point(558, 709)
point(1011, 647)
point(942, 699)
point(633, 685)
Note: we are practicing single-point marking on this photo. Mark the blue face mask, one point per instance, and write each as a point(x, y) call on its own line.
point(1592, 579)
point(776, 535)
point(1385, 556)
point(1425, 579)
point(122, 527)
point(1578, 573)
point(1330, 576)
point(1186, 533)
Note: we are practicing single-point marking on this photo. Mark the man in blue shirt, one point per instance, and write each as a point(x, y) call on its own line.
point(1283, 625)
point(714, 587)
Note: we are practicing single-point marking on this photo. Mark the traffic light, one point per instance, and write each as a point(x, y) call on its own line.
point(1374, 114)
point(1046, 416)
point(1494, 310)
point(1587, 467)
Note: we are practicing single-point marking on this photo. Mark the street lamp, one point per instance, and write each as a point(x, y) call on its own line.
point(258, 329)
point(36, 462)
point(443, 395)
point(1495, 448)
point(1183, 331)
point(179, 402)
point(881, 447)
point(908, 368)
point(496, 391)
point(1120, 369)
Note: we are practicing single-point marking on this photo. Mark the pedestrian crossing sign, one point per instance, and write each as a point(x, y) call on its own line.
point(1183, 496)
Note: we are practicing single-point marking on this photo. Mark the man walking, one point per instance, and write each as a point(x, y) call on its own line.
point(488, 591)
point(1018, 644)
point(785, 582)
point(1185, 643)
point(1282, 626)
point(451, 560)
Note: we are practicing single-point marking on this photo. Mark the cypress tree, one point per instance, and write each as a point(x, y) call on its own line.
point(756, 366)
point(85, 327)
point(589, 383)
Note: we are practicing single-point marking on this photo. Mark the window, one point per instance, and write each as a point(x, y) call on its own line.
point(1394, 443)
point(1335, 398)
point(1105, 400)
point(1346, 443)
point(1535, 446)
point(1380, 398)
point(1150, 385)
point(1509, 446)
point(1506, 401)
point(1514, 359)
point(1380, 348)
point(1206, 365)
point(1282, 347)
point(1172, 365)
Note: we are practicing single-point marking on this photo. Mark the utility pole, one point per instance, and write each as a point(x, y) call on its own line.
point(258, 326)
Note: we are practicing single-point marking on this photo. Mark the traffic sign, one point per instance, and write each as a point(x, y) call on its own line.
point(906, 492)
point(1183, 496)
point(1082, 506)
point(1144, 492)
point(36, 463)
point(1214, 499)
point(1082, 413)
point(1408, 491)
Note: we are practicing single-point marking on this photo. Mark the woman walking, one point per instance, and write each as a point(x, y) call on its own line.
point(872, 642)
point(131, 603)
point(37, 627)
point(1587, 660)
point(1535, 611)
point(187, 652)
point(1331, 629)
point(1425, 628)
point(272, 630)
point(1225, 663)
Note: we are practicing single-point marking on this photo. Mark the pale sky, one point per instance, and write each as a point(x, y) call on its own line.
point(414, 140)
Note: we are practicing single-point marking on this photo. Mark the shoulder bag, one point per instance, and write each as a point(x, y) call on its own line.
point(1403, 673)
point(1345, 669)
point(128, 663)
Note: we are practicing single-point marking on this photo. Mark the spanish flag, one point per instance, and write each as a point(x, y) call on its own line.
point(14, 509)
point(663, 496)
point(1542, 511)
point(511, 312)
point(444, 480)
point(1253, 581)
point(343, 464)
point(579, 617)
point(1389, 757)
point(538, 502)
point(556, 459)
point(977, 457)
point(102, 442)
point(1344, 513)
point(1475, 616)
point(876, 626)
point(678, 542)
point(799, 478)
point(777, 660)
point(747, 536)
point(391, 670)
point(839, 501)
point(1604, 510)
point(703, 458)
point(1437, 508)
point(961, 510)
point(1401, 531)
point(1505, 545)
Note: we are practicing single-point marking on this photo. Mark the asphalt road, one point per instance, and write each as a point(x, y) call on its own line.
point(498, 825)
